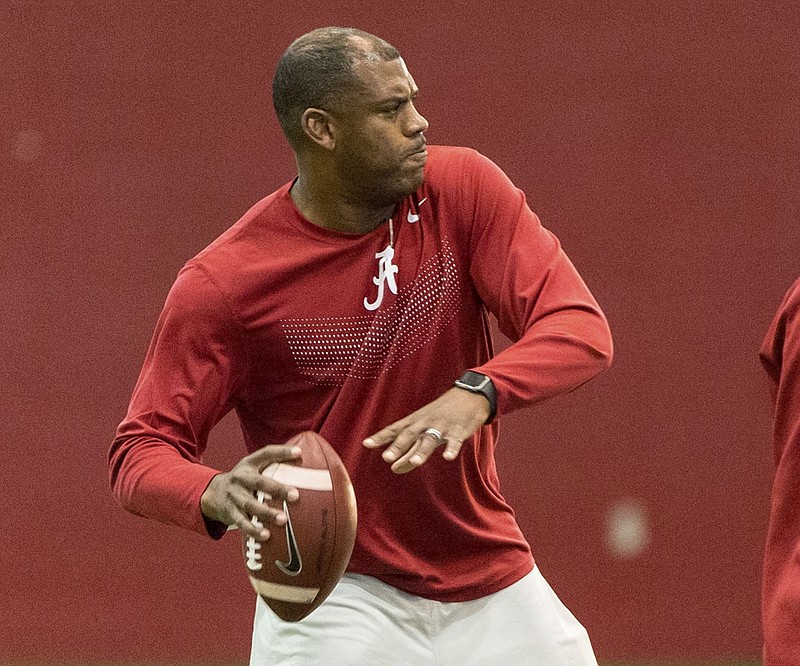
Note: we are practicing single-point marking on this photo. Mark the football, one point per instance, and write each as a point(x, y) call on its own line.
point(299, 565)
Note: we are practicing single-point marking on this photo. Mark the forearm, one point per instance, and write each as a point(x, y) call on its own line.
point(561, 338)
point(150, 478)
point(192, 370)
point(553, 358)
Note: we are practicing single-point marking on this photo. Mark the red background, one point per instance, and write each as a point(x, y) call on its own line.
point(659, 140)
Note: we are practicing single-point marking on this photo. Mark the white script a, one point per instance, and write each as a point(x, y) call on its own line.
point(386, 273)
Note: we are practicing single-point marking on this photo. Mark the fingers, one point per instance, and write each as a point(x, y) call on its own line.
point(384, 437)
point(253, 511)
point(402, 444)
point(449, 420)
point(410, 446)
point(240, 497)
point(247, 475)
point(419, 453)
point(452, 449)
point(250, 522)
point(267, 455)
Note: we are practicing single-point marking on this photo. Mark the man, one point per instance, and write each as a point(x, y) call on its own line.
point(353, 302)
point(780, 355)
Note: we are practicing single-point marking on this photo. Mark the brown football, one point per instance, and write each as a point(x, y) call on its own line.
point(299, 565)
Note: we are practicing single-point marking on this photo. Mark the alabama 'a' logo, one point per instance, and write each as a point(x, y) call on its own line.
point(385, 278)
point(330, 350)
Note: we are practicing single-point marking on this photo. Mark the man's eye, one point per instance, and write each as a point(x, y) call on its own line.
point(394, 110)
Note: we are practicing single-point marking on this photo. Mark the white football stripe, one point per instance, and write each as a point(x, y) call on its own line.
point(300, 477)
point(291, 593)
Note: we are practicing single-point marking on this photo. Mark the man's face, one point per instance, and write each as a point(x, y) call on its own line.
point(380, 147)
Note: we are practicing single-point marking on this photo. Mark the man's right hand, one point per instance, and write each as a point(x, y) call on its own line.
point(231, 498)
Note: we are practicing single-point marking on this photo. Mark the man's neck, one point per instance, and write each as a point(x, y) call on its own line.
point(327, 208)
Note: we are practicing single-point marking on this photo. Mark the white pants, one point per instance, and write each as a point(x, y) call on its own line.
point(365, 622)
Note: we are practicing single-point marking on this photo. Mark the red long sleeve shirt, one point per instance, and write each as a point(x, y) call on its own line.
point(297, 327)
point(780, 355)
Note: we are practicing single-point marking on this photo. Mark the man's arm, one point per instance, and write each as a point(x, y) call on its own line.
point(561, 338)
point(195, 367)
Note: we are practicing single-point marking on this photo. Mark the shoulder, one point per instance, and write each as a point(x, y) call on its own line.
point(194, 293)
point(218, 274)
point(791, 300)
point(465, 169)
point(789, 309)
point(443, 159)
point(247, 230)
point(249, 242)
point(784, 330)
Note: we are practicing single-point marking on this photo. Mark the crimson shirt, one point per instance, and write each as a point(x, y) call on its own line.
point(272, 320)
point(780, 355)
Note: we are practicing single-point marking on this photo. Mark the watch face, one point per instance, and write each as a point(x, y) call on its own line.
point(473, 380)
point(478, 383)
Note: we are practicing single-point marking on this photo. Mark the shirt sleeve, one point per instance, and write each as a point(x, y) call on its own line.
point(780, 357)
point(193, 370)
point(561, 338)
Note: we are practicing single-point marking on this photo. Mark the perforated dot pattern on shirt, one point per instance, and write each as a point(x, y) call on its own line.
point(329, 350)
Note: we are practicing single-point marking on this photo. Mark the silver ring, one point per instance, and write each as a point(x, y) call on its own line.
point(436, 434)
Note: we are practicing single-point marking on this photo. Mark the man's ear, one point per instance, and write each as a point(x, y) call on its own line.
point(319, 127)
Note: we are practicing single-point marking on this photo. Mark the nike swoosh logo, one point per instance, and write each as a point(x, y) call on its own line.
point(295, 564)
point(414, 217)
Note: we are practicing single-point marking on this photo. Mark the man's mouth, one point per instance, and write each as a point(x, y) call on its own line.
point(420, 153)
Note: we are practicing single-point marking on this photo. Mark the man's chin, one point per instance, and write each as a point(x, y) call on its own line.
point(415, 182)
point(394, 192)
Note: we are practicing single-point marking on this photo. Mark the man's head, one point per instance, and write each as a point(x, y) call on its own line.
point(318, 70)
point(345, 100)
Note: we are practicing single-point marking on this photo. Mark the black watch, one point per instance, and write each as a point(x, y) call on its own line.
point(478, 383)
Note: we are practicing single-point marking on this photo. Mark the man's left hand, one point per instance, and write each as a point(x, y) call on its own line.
point(456, 414)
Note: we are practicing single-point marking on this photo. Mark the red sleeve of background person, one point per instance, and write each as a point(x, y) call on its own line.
point(780, 355)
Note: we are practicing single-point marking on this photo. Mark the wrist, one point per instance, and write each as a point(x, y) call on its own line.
point(478, 383)
point(208, 503)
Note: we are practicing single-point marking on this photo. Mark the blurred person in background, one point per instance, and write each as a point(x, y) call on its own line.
point(780, 356)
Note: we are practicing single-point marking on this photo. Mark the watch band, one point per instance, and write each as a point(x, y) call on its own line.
point(475, 382)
